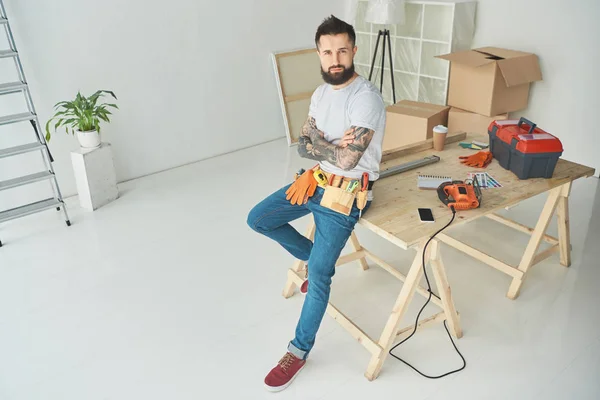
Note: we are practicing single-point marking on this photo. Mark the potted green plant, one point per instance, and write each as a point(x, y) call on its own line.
point(82, 116)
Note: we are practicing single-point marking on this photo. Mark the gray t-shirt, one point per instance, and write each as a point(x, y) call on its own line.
point(335, 111)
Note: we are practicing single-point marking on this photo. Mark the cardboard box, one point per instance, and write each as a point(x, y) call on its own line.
point(491, 81)
point(466, 121)
point(409, 122)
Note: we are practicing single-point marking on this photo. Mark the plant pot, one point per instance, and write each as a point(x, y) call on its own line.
point(88, 139)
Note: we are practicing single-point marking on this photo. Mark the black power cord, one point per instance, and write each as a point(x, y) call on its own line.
point(422, 308)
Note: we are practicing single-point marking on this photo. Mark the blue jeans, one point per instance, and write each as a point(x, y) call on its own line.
point(271, 218)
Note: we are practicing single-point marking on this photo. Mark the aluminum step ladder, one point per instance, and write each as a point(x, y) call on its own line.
point(39, 145)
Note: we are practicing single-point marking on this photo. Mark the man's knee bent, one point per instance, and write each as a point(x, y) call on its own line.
point(253, 220)
point(256, 220)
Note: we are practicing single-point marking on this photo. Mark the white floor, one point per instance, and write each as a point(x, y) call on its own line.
point(167, 294)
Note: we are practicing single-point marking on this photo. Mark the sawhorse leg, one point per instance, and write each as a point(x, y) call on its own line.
point(558, 197)
point(390, 332)
point(443, 287)
point(357, 247)
point(564, 230)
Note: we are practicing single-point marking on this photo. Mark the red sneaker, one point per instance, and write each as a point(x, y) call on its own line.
point(304, 286)
point(284, 373)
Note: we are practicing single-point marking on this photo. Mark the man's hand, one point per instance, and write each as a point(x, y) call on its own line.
point(348, 138)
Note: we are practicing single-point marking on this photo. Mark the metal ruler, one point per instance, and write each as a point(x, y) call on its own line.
point(408, 166)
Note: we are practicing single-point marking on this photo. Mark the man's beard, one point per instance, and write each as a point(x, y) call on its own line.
point(338, 78)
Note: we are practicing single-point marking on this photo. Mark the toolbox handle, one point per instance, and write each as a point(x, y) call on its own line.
point(528, 122)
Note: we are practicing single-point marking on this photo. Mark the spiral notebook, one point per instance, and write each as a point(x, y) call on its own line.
point(431, 181)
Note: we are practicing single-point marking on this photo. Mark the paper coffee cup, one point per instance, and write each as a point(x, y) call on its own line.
point(439, 137)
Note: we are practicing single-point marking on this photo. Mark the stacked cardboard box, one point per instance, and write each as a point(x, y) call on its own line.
point(409, 122)
point(460, 120)
point(486, 84)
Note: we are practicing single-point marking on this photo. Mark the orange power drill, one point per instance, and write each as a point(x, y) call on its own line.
point(459, 195)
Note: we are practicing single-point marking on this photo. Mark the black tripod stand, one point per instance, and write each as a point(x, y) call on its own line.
point(386, 34)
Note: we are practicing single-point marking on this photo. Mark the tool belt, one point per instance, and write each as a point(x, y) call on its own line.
point(340, 192)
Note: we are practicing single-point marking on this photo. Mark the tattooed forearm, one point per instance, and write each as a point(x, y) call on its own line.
point(305, 149)
point(322, 151)
point(305, 145)
point(312, 145)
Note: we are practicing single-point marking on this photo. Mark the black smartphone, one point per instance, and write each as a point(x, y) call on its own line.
point(426, 215)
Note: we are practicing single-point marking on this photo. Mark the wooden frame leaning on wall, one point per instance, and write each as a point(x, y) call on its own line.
point(297, 76)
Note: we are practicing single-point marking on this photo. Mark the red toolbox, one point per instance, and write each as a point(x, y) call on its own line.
point(523, 148)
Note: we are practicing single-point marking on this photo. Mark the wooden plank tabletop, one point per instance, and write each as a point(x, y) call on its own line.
point(393, 213)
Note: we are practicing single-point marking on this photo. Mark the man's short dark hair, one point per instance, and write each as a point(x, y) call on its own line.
point(334, 26)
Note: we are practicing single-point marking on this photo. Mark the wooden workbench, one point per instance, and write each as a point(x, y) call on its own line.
point(393, 216)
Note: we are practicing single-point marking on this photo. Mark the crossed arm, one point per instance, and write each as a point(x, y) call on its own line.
point(312, 144)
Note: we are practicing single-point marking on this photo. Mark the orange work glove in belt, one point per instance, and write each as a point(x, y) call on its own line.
point(480, 159)
point(302, 188)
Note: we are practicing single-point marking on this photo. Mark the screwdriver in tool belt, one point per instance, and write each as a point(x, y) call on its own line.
point(352, 185)
point(365, 185)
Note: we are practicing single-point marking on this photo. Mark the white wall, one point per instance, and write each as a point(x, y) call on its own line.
point(566, 103)
point(194, 77)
